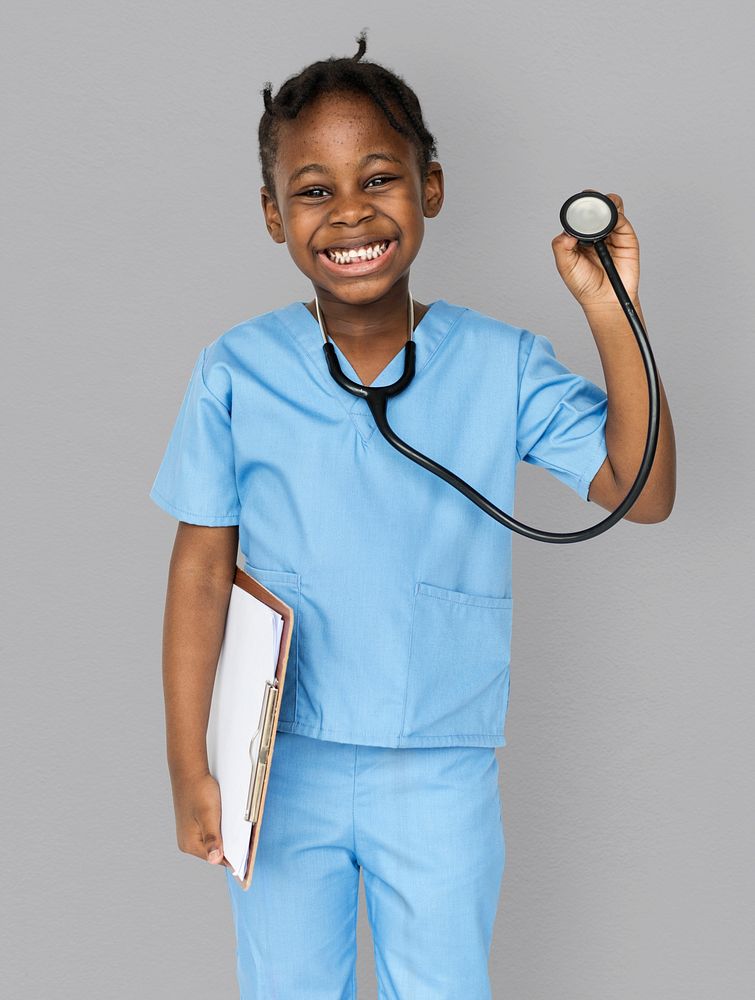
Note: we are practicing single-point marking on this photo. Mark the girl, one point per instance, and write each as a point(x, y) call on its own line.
point(398, 677)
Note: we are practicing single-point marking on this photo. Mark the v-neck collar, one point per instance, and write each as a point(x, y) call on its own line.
point(436, 323)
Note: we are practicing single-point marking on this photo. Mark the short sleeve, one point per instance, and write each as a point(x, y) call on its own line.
point(196, 481)
point(561, 416)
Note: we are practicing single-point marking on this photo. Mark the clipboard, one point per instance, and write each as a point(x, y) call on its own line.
point(244, 710)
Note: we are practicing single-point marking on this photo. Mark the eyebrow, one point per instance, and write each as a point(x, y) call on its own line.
point(319, 168)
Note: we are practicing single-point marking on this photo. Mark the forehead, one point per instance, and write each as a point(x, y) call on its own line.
point(338, 130)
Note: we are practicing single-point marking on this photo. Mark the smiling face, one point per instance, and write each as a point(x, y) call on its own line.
point(350, 195)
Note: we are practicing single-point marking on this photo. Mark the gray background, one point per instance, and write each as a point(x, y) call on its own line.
point(134, 236)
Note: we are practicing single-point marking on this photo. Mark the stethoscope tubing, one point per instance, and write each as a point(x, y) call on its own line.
point(377, 399)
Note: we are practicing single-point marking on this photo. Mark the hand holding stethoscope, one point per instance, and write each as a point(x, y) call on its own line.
point(580, 267)
point(591, 220)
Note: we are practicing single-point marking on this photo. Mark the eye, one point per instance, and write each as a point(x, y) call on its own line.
point(309, 192)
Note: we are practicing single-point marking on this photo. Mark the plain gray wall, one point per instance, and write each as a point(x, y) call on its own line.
point(134, 236)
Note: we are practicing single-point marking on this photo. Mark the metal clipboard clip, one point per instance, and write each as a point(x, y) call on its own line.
point(264, 731)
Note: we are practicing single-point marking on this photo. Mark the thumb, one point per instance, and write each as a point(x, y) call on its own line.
point(214, 848)
point(575, 264)
point(564, 243)
point(212, 840)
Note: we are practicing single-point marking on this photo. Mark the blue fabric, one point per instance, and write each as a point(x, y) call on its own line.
point(426, 828)
point(400, 585)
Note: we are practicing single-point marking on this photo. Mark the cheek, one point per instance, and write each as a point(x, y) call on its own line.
point(298, 236)
point(411, 210)
point(414, 222)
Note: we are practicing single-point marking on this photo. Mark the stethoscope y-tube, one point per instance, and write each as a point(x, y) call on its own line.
point(590, 216)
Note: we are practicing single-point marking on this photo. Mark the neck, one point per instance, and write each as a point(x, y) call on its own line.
point(383, 323)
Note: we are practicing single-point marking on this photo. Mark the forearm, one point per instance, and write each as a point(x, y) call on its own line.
point(195, 611)
point(628, 406)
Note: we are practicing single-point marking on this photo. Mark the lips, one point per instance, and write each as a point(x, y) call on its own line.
point(357, 269)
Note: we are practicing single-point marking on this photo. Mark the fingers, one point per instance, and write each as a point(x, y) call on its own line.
point(198, 814)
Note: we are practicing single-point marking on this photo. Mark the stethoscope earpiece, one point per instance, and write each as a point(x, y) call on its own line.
point(589, 215)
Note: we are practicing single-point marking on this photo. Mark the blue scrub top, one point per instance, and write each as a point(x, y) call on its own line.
point(400, 585)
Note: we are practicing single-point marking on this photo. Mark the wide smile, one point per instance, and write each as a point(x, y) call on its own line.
point(356, 265)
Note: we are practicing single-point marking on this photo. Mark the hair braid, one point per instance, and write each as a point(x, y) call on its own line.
point(362, 40)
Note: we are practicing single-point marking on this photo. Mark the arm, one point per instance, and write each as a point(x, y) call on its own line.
point(627, 421)
point(200, 577)
point(626, 383)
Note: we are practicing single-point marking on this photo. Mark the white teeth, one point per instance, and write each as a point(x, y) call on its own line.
point(362, 253)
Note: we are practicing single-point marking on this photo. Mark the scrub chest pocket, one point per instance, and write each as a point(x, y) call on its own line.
point(458, 671)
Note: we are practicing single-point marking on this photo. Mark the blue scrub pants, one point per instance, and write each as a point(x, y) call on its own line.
point(425, 827)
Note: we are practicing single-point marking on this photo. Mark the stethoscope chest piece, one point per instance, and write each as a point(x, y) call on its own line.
point(589, 215)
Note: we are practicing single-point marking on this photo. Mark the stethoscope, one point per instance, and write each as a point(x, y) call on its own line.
point(590, 216)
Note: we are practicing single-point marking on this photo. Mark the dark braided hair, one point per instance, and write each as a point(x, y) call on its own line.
point(343, 76)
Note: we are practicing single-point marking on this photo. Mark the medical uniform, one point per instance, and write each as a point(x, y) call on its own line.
point(401, 590)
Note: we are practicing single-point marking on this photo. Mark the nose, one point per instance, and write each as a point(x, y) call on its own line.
point(351, 209)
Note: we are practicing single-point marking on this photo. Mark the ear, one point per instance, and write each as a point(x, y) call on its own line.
point(273, 221)
point(432, 190)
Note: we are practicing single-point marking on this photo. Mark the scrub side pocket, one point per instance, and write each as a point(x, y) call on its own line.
point(458, 671)
point(287, 586)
